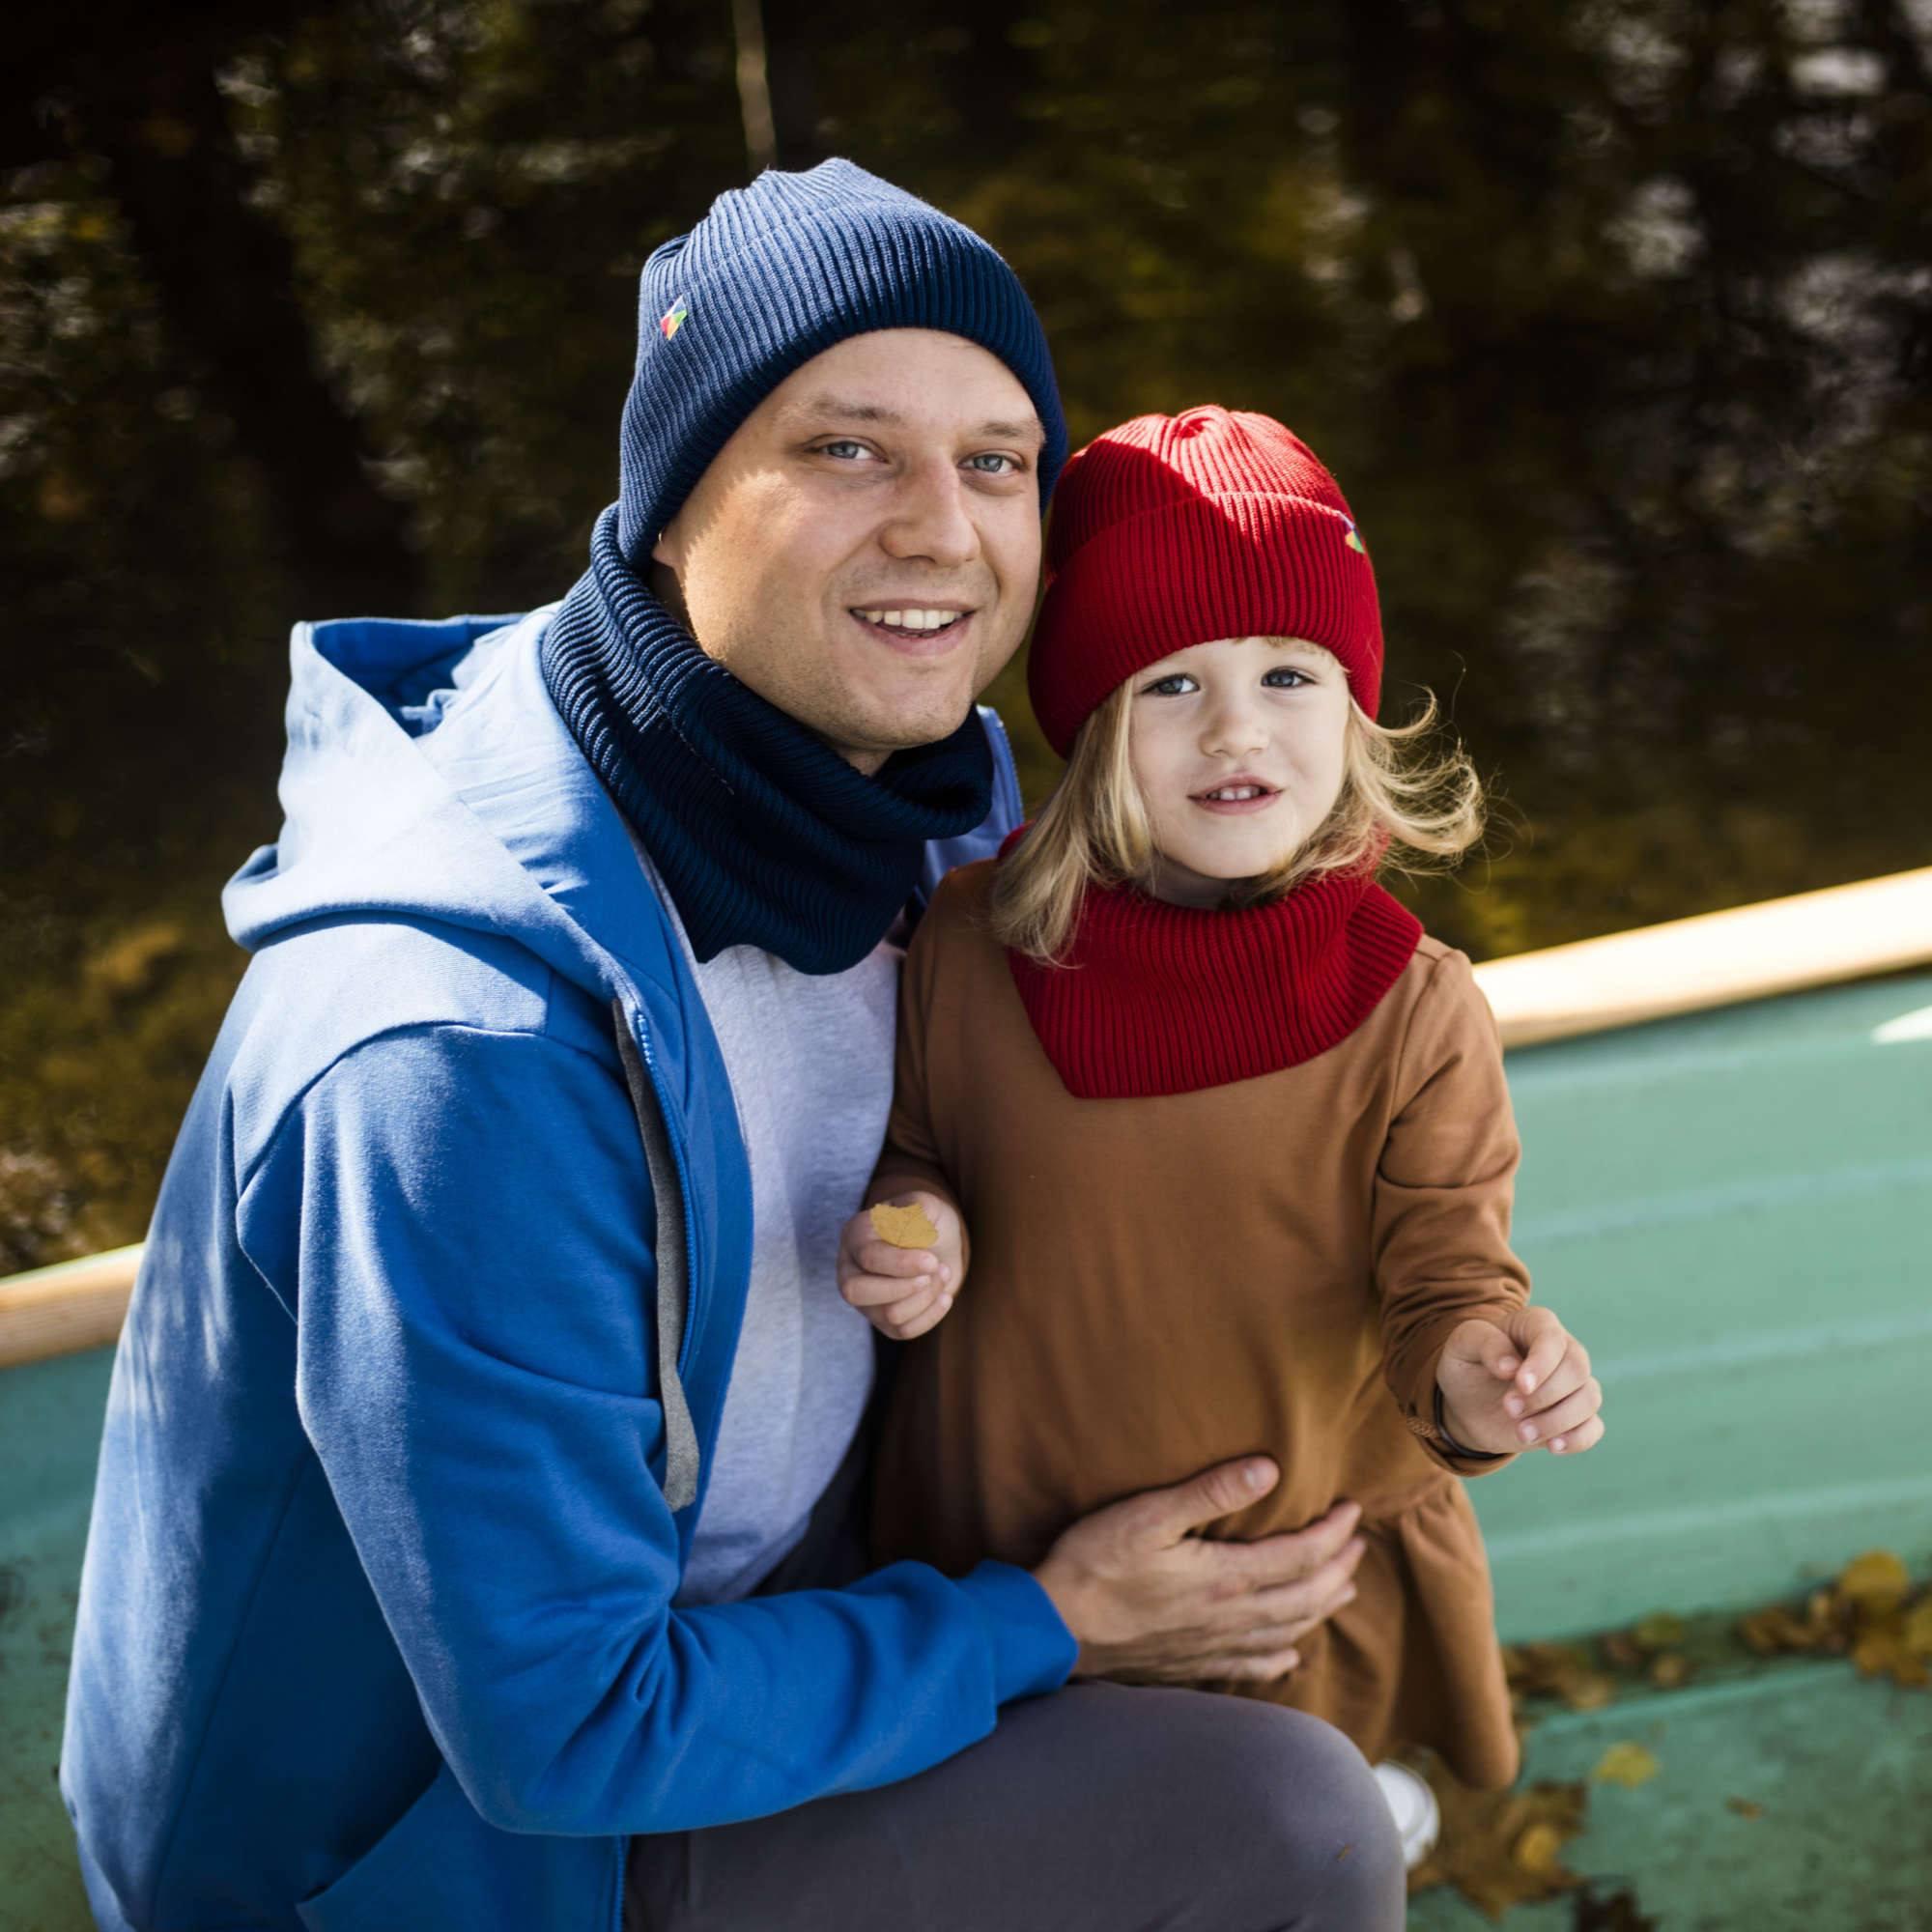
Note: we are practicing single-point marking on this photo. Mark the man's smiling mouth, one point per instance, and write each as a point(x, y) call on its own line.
point(910, 619)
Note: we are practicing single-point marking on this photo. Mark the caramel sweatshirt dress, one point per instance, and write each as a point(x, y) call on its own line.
point(1159, 1283)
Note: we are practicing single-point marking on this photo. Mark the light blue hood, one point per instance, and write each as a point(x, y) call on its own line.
point(404, 794)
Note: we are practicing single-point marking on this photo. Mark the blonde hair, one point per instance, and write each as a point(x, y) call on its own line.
point(1397, 809)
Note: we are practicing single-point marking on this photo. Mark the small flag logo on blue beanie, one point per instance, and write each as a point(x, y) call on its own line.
point(672, 318)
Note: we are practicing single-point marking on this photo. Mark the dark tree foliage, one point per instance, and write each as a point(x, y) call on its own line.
point(1614, 316)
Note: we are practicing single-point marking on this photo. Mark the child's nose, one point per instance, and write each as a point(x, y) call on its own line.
point(1235, 729)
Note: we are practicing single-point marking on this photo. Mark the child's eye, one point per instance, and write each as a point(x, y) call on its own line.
point(1167, 687)
point(1286, 678)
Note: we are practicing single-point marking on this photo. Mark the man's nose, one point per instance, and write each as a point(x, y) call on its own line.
point(932, 517)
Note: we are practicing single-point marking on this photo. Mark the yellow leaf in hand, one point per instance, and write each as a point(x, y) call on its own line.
point(904, 1227)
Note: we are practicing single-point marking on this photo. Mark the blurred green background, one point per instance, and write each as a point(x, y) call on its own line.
point(1614, 316)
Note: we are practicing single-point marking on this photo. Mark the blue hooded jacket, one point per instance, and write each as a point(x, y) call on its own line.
point(376, 1626)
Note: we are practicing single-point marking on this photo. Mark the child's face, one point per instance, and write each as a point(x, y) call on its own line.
point(1265, 716)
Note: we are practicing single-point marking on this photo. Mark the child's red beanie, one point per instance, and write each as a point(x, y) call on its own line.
point(1175, 530)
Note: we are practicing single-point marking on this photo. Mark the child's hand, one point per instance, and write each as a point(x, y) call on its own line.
point(1525, 1385)
point(901, 1291)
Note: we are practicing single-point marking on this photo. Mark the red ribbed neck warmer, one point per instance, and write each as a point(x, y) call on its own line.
point(1165, 998)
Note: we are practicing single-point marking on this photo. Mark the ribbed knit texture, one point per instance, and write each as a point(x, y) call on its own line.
point(774, 274)
point(764, 834)
point(1176, 531)
point(1165, 998)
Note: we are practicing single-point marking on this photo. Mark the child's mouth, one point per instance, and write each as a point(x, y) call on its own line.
point(1234, 800)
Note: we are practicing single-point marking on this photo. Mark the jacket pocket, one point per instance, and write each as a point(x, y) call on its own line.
point(440, 1869)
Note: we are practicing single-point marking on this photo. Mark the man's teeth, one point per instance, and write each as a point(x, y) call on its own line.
point(1234, 794)
point(913, 620)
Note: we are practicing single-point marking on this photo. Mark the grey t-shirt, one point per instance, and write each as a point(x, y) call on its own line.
point(810, 1062)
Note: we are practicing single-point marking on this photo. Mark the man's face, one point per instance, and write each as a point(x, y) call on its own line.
point(895, 476)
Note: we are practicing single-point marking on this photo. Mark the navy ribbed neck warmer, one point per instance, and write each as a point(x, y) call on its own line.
point(763, 834)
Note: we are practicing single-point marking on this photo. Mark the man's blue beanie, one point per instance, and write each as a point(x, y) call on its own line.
point(774, 274)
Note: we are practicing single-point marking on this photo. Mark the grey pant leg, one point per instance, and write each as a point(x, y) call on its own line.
point(1100, 1809)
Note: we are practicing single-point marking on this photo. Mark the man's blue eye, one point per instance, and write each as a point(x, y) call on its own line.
point(995, 456)
point(843, 442)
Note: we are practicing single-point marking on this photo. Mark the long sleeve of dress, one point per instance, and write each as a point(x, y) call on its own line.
point(1442, 1196)
point(911, 1154)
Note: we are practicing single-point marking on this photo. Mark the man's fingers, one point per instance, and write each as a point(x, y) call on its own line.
point(1262, 1668)
point(1299, 1607)
point(1212, 1667)
point(1291, 1556)
point(1202, 1499)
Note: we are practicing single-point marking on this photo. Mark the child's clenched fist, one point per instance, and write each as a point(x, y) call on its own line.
point(1522, 1385)
point(902, 1291)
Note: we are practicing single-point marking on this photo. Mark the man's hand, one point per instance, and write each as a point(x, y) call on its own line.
point(1524, 1386)
point(1152, 1603)
point(902, 1291)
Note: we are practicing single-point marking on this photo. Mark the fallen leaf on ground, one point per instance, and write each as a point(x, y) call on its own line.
point(1778, 1627)
point(1627, 1764)
point(1540, 1848)
point(1744, 1807)
point(1620, 1651)
point(1881, 1650)
point(1919, 1629)
point(1875, 1583)
point(1502, 1848)
point(1558, 1670)
point(1616, 1914)
point(1670, 1671)
point(1659, 1631)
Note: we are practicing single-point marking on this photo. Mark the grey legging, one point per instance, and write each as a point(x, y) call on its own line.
point(1100, 1809)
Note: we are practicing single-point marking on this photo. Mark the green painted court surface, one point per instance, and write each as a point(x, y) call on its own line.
point(1732, 1211)
point(1841, 1769)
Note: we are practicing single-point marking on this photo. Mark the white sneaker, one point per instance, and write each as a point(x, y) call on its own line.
point(1418, 1818)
